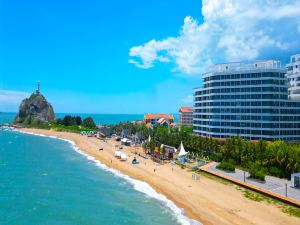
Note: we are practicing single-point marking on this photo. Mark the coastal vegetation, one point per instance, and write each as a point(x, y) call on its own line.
point(73, 124)
point(256, 172)
point(226, 166)
point(89, 123)
point(76, 121)
point(258, 197)
point(69, 121)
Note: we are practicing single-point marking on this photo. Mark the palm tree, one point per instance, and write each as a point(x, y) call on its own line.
point(261, 150)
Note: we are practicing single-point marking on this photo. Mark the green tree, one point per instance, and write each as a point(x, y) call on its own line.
point(58, 121)
point(89, 122)
point(261, 147)
point(68, 121)
point(78, 120)
point(228, 148)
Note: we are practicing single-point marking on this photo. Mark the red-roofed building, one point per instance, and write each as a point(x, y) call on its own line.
point(186, 116)
point(158, 119)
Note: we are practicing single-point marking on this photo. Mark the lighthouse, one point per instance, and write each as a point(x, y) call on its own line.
point(38, 92)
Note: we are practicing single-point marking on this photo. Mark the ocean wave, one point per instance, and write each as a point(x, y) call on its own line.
point(138, 185)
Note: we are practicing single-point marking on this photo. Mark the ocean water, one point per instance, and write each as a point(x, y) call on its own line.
point(98, 118)
point(7, 117)
point(45, 180)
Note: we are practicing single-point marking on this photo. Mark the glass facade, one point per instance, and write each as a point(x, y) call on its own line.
point(251, 100)
point(293, 75)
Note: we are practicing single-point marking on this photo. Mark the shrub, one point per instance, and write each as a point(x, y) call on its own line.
point(274, 171)
point(226, 166)
point(257, 173)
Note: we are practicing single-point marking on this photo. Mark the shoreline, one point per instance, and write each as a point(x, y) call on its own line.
point(208, 201)
point(176, 211)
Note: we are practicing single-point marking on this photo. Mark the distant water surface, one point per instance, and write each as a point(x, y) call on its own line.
point(44, 181)
point(98, 118)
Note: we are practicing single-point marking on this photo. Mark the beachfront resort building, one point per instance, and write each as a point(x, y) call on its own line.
point(293, 75)
point(159, 120)
point(186, 116)
point(250, 100)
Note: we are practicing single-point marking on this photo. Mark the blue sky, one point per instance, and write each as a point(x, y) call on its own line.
point(133, 56)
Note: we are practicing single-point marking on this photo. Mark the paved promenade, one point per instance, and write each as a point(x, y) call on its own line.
point(275, 187)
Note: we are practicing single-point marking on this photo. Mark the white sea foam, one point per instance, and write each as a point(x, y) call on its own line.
point(138, 185)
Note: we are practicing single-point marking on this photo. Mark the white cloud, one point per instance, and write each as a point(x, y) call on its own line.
point(10, 98)
point(187, 99)
point(231, 31)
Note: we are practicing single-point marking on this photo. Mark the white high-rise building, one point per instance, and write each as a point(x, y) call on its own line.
point(250, 100)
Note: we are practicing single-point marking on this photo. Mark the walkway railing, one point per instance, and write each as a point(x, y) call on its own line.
point(250, 186)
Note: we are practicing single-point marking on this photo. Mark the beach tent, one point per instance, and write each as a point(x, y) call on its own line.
point(123, 157)
point(182, 153)
point(118, 154)
point(126, 141)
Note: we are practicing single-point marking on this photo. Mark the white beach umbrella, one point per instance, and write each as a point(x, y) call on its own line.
point(182, 151)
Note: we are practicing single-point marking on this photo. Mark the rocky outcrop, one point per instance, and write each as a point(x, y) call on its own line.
point(35, 109)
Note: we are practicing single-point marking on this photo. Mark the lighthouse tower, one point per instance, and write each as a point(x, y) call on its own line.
point(38, 92)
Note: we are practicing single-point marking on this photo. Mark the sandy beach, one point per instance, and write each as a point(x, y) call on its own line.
point(206, 200)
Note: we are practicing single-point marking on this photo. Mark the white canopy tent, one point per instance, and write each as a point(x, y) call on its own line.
point(182, 151)
point(124, 140)
point(123, 157)
point(118, 154)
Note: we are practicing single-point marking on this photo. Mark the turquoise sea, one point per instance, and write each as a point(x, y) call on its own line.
point(102, 119)
point(45, 180)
